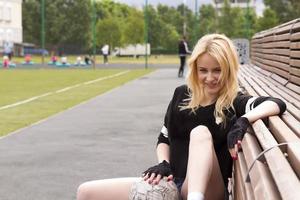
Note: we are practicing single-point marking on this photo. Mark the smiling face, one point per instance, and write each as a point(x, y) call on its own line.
point(209, 72)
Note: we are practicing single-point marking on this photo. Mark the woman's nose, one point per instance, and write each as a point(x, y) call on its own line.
point(209, 76)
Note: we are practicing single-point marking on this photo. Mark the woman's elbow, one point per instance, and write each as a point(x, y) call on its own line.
point(282, 107)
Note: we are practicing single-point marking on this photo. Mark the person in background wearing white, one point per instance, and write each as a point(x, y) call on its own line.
point(105, 52)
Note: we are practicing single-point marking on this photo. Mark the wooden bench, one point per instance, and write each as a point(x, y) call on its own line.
point(268, 167)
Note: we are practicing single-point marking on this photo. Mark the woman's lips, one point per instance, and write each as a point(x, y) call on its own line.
point(212, 85)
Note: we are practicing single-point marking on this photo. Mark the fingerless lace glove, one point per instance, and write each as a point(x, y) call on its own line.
point(237, 131)
point(163, 168)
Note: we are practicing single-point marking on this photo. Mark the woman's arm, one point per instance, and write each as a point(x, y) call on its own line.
point(163, 152)
point(154, 174)
point(265, 109)
point(256, 108)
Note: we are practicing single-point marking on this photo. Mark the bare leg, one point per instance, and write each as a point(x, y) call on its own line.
point(203, 173)
point(107, 189)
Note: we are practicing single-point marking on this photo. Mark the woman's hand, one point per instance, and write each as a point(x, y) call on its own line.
point(154, 174)
point(235, 136)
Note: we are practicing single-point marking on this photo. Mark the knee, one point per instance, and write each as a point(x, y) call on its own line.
point(200, 134)
point(83, 192)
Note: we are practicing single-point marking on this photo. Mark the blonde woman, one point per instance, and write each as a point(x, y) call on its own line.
point(203, 128)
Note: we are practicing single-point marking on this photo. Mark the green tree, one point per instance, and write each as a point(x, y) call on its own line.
point(170, 15)
point(244, 23)
point(295, 9)
point(169, 39)
point(155, 25)
point(187, 16)
point(111, 9)
point(108, 32)
point(133, 31)
point(236, 22)
point(250, 24)
point(163, 36)
point(226, 20)
point(268, 20)
point(31, 26)
point(128, 21)
point(285, 10)
point(207, 20)
point(63, 25)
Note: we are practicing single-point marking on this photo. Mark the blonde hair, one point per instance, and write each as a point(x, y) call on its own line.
point(223, 50)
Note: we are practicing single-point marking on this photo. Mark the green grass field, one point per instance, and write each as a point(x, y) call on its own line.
point(20, 85)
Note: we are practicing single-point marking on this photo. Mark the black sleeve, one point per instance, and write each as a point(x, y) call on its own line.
point(279, 102)
point(164, 133)
point(244, 103)
point(163, 136)
point(240, 103)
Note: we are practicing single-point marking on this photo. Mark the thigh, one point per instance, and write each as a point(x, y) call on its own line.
point(215, 188)
point(107, 189)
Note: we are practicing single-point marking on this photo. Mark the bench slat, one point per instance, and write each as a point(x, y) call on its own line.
point(284, 59)
point(295, 54)
point(279, 44)
point(260, 177)
point(285, 52)
point(268, 92)
point(283, 134)
point(285, 93)
point(292, 123)
point(268, 38)
point(279, 79)
point(285, 36)
point(283, 175)
point(289, 120)
point(239, 187)
point(295, 79)
point(244, 171)
point(276, 64)
point(294, 45)
point(295, 71)
point(273, 69)
point(274, 91)
point(280, 86)
point(295, 62)
point(263, 89)
point(295, 36)
point(276, 83)
point(293, 87)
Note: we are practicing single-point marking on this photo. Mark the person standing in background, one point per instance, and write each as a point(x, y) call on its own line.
point(8, 49)
point(183, 50)
point(105, 52)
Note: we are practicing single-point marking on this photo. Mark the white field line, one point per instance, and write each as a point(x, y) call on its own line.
point(62, 90)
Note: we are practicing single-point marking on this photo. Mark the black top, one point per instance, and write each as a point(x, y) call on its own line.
point(179, 123)
point(182, 48)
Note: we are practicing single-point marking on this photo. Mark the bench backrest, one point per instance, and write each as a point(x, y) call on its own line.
point(263, 170)
point(278, 50)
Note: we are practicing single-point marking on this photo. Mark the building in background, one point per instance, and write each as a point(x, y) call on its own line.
point(218, 4)
point(11, 30)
